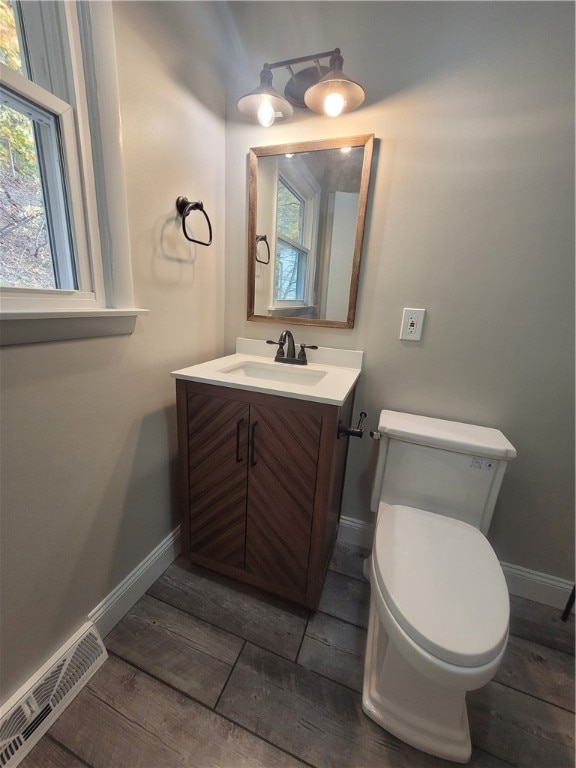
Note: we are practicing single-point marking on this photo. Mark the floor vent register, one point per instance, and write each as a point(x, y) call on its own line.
point(33, 709)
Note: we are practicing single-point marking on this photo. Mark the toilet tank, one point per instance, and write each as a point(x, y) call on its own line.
point(445, 467)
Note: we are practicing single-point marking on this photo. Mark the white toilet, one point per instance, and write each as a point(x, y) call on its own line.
point(439, 604)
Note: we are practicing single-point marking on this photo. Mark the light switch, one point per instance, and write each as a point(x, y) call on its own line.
point(412, 322)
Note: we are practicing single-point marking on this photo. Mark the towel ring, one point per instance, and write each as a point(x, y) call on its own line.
point(184, 208)
point(262, 239)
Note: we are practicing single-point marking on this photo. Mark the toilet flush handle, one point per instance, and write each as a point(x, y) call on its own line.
point(344, 431)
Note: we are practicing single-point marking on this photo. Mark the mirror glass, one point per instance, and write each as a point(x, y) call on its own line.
point(306, 213)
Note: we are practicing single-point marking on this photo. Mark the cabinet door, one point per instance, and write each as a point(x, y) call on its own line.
point(218, 458)
point(284, 449)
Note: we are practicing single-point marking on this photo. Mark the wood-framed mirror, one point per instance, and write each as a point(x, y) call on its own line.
point(306, 214)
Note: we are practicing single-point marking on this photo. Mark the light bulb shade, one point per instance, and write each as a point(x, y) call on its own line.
point(250, 104)
point(300, 81)
point(335, 82)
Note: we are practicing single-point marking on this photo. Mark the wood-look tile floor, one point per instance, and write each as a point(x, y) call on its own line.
point(206, 672)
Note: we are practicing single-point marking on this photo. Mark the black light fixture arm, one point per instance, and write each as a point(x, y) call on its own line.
point(302, 59)
point(184, 208)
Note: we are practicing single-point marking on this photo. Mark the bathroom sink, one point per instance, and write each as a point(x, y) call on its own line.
point(329, 376)
point(275, 372)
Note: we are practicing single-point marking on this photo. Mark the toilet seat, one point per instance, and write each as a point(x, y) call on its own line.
point(442, 583)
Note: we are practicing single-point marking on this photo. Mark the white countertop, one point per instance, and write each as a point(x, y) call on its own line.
point(328, 377)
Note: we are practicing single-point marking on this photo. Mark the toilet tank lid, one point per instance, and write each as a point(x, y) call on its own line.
point(449, 435)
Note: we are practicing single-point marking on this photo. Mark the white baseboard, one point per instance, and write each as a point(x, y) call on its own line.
point(109, 612)
point(522, 582)
point(357, 532)
point(540, 587)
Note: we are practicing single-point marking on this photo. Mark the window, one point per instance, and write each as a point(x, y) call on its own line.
point(34, 212)
point(25, 240)
point(290, 267)
point(295, 215)
point(63, 246)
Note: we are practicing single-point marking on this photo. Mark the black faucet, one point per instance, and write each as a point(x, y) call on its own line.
point(286, 336)
point(290, 355)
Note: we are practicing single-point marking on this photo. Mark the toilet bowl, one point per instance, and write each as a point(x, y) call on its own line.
point(439, 606)
point(438, 627)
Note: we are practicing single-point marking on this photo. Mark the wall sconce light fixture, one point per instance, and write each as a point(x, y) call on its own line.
point(321, 88)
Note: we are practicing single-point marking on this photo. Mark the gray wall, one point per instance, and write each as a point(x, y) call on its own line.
point(471, 217)
point(88, 427)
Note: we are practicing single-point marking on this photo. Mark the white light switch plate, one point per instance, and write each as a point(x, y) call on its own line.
point(412, 322)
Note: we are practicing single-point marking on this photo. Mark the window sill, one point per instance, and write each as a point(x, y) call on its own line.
point(32, 327)
point(294, 310)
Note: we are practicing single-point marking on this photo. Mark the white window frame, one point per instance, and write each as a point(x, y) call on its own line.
point(82, 35)
point(302, 245)
point(303, 255)
point(47, 128)
point(90, 291)
point(308, 192)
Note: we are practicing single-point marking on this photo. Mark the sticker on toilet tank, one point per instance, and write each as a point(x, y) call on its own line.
point(478, 463)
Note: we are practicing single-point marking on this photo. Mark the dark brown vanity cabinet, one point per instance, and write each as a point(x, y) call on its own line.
point(261, 480)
